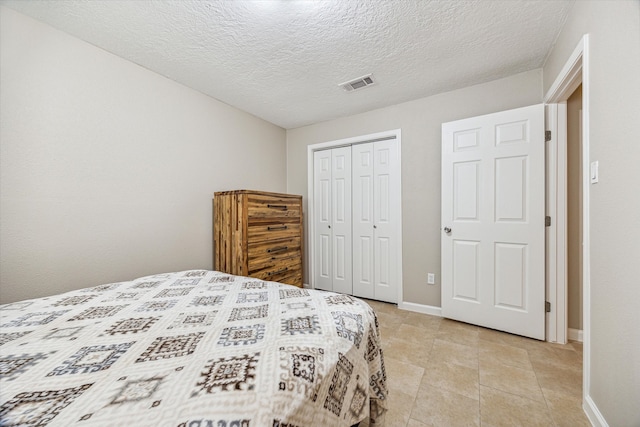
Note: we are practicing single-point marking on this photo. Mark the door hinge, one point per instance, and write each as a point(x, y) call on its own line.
point(547, 135)
point(547, 221)
point(547, 307)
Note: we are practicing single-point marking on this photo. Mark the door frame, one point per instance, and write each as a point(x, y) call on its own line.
point(395, 133)
point(575, 71)
point(556, 232)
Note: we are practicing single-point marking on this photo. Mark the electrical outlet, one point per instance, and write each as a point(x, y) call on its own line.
point(431, 279)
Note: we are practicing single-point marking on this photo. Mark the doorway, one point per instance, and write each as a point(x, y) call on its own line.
point(567, 187)
point(575, 73)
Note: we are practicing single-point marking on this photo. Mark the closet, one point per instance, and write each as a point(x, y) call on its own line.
point(356, 219)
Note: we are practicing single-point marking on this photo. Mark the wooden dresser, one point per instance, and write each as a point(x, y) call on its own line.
point(258, 234)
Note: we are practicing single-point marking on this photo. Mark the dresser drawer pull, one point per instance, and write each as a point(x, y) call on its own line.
point(281, 207)
point(273, 273)
point(279, 227)
point(280, 249)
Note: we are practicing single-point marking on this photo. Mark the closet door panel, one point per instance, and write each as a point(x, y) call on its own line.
point(363, 236)
point(385, 171)
point(341, 219)
point(322, 219)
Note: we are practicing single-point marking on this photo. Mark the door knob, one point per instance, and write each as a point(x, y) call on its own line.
point(329, 226)
point(375, 226)
point(447, 230)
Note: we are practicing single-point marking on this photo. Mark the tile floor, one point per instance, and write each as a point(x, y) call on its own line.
point(446, 373)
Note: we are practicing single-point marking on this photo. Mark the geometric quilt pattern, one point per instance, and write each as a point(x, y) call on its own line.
point(170, 347)
point(192, 348)
point(301, 370)
point(248, 313)
point(6, 337)
point(241, 335)
point(92, 359)
point(349, 326)
point(339, 384)
point(13, 366)
point(98, 312)
point(132, 325)
point(35, 319)
point(236, 373)
point(38, 408)
point(193, 319)
point(301, 325)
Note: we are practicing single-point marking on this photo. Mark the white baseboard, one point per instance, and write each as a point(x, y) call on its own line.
point(593, 413)
point(307, 286)
point(421, 308)
point(575, 334)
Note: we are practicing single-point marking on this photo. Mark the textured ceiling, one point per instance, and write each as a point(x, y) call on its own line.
point(282, 60)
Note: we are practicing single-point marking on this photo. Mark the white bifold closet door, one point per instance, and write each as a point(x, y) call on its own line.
point(332, 213)
point(356, 220)
point(374, 240)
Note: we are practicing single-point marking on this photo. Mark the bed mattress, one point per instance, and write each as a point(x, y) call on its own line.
point(192, 348)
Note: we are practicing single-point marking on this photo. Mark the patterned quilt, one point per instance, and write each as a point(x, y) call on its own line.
point(194, 348)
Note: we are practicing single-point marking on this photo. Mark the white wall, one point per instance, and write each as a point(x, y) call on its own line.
point(420, 121)
point(614, 210)
point(107, 170)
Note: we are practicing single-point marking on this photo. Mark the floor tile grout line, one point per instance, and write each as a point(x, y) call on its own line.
point(413, 402)
point(479, 389)
point(546, 404)
point(424, 372)
point(514, 394)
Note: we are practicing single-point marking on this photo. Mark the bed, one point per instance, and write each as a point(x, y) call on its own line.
point(193, 348)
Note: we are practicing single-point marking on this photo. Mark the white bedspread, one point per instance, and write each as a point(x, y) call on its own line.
point(194, 348)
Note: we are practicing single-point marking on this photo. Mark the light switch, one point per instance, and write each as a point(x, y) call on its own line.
point(594, 172)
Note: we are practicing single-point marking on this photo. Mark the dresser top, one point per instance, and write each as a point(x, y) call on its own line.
point(266, 193)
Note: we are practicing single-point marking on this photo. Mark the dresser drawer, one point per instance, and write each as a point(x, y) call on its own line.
point(292, 277)
point(289, 268)
point(269, 206)
point(259, 231)
point(256, 264)
point(267, 251)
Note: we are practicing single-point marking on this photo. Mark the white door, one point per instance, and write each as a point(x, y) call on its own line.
point(363, 236)
point(493, 270)
point(386, 217)
point(332, 220)
point(341, 219)
point(322, 220)
point(375, 220)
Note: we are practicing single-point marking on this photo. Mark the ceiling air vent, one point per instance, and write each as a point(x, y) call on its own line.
point(359, 83)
